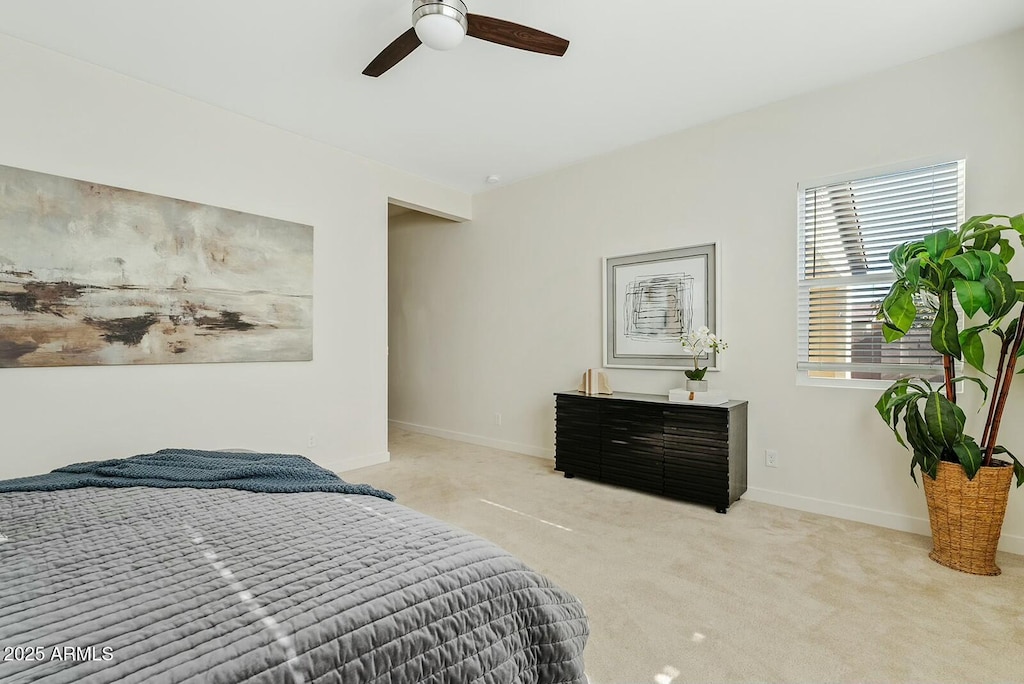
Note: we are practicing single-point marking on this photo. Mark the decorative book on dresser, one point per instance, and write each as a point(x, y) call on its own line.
point(643, 441)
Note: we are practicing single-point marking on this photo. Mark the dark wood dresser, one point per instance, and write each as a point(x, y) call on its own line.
point(644, 441)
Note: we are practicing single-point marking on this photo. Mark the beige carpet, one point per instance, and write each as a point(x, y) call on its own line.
point(678, 593)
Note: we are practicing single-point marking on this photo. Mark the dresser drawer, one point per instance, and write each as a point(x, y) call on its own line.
point(685, 447)
point(636, 474)
point(645, 442)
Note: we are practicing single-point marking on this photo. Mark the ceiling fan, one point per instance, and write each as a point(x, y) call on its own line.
point(442, 24)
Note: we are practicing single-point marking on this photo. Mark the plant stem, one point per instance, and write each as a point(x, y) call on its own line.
point(1004, 389)
point(949, 370)
point(1000, 369)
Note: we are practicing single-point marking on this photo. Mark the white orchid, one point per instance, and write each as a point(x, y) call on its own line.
point(698, 343)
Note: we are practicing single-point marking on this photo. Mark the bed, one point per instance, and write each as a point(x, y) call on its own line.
point(208, 585)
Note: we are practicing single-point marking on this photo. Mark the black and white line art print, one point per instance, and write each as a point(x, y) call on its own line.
point(658, 308)
point(652, 300)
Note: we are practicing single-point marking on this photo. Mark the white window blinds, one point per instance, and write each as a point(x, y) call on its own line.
point(846, 231)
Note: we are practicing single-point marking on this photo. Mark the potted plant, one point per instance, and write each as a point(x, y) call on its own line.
point(965, 486)
point(698, 343)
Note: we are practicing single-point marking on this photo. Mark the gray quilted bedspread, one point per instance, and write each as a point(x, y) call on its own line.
point(209, 586)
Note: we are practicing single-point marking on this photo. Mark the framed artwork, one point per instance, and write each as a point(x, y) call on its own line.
point(96, 275)
point(651, 300)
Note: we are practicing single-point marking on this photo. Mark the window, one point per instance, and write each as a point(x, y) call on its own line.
point(847, 229)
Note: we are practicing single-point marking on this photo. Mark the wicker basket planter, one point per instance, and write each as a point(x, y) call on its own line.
point(967, 516)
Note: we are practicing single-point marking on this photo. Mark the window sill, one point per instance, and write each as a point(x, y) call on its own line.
point(875, 385)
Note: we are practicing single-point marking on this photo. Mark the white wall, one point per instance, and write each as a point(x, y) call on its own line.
point(65, 117)
point(495, 315)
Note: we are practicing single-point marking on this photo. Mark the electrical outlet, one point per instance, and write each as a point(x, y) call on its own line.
point(312, 440)
point(497, 419)
point(771, 458)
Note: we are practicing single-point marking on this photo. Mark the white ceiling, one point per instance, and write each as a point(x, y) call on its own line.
point(634, 70)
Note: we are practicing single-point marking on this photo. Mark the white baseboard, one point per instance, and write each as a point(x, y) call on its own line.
point(894, 521)
point(514, 447)
point(340, 465)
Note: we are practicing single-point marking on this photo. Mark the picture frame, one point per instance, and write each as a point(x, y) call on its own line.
point(96, 275)
point(651, 299)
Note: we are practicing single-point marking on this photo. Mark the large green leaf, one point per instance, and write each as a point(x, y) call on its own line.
point(940, 415)
point(898, 258)
point(892, 409)
point(917, 460)
point(1017, 223)
point(986, 241)
point(917, 433)
point(899, 308)
point(903, 254)
point(974, 221)
point(958, 416)
point(882, 407)
point(1018, 469)
point(973, 348)
point(990, 262)
point(899, 408)
point(969, 454)
point(894, 392)
point(941, 243)
point(945, 339)
point(972, 295)
point(1011, 329)
point(929, 464)
point(1020, 352)
point(891, 333)
point(931, 468)
point(978, 382)
point(1002, 293)
point(968, 264)
point(894, 289)
point(891, 393)
point(1006, 251)
point(912, 273)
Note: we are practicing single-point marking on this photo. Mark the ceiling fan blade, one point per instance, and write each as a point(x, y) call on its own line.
point(515, 35)
point(393, 54)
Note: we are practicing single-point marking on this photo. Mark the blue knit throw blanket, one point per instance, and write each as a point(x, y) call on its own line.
point(271, 473)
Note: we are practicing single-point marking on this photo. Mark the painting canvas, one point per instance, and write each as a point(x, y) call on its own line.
point(97, 275)
point(652, 300)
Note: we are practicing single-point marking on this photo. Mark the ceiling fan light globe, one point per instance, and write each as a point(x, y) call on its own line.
point(439, 31)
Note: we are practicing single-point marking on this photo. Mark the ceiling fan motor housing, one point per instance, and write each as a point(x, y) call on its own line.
point(440, 13)
point(442, 24)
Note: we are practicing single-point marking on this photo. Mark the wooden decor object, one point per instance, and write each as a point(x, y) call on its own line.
point(594, 382)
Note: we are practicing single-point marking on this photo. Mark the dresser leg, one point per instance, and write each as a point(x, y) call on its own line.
point(569, 476)
point(722, 509)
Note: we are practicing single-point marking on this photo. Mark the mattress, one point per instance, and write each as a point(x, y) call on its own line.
point(223, 586)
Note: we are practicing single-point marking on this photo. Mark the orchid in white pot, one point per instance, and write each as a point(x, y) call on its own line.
point(698, 343)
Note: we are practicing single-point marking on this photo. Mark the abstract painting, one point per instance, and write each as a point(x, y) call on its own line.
point(651, 300)
point(97, 275)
